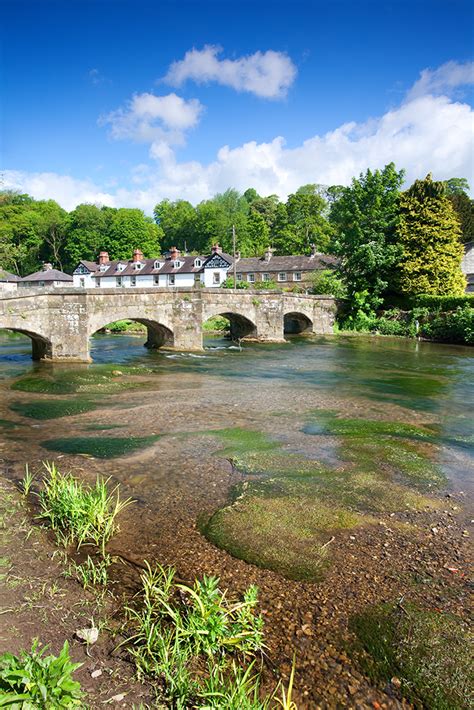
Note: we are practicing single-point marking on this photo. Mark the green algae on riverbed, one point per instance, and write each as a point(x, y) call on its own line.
point(283, 519)
point(429, 652)
point(98, 446)
point(96, 379)
point(52, 408)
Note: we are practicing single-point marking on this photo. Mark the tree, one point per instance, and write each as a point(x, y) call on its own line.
point(457, 190)
point(86, 233)
point(365, 219)
point(429, 234)
point(130, 230)
point(257, 237)
point(305, 215)
point(178, 222)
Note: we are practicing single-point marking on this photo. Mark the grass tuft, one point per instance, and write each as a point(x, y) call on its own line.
point(78, 513)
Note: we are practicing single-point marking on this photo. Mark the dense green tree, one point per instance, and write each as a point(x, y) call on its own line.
point(365, 220)
point(267, 207)
point(178, 222)
point(305, 217)
point(257, 235)
point(429, 234)
point(457, 190)
point(131, 229)
point(86, 233)
point(456, 186)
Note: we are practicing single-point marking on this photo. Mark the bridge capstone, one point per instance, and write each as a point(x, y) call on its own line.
point(61, 321)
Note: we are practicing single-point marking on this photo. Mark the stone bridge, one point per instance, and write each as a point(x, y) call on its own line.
point(60, 322)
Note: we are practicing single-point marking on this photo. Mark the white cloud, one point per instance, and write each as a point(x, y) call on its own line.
point(443, 80)
point(426, 133)
point(147, 118)
point(266, 74)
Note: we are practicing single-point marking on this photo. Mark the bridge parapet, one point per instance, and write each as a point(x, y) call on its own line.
point(61, 321)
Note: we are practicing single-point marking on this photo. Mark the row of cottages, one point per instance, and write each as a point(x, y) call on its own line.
point(46, 278)
point(176, 270)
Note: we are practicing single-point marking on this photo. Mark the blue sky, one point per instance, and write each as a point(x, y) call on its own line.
point(274, 95)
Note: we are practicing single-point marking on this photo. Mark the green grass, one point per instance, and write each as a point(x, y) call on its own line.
point(430, 652)
point(93, 572)
point(33, 680)
point(196, 641)
point(78, 513)
point(52, 408)
point(239, 441)
point(99, 447)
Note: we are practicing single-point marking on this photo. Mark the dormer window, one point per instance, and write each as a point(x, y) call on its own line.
point(120, 267)
point(197, 263)
point(138, 265)
point(157, 264)
point(177, 264)
point(103, 267)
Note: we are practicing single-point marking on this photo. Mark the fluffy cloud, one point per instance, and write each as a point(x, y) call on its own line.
point(426, 133)
point(265, 74)
point(147, 118)
point(443, 80)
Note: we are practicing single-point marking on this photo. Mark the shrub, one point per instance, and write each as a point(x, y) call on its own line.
point(263, 285)
point(33, 680)
point(327, 282)
point(454, 327)
point(216, 323)
point(443, 303)
point(229, 283)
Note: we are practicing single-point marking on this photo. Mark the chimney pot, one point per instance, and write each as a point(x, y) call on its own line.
point(268, 253)
point(137, 255)
point(216, 249)
point(47, 266)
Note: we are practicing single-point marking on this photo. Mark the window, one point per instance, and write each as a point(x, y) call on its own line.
point(41, 283)
point(282, 276)
point(82, 283)
point(103, 267)
point(239, 277)
point(118, 281)
point(216, 278)
point(120, 267)
point(97, 283)
point(251, 278)
point(156, 280)
point(197, 263)
point(157, 264)
point(133, 280)
point(265, 277)
point(171, 279)
point(177, 264)
point(138, 265)
point(297, 276)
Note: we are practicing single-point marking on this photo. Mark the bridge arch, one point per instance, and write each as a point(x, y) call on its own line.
point(158, 334)
point(41, 346)
point(241, 326)
point(297, 322)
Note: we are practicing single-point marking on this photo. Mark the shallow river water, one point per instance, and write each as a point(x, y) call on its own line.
point(329, 431)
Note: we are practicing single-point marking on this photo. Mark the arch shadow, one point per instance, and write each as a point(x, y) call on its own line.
point(295, 323)
point(240, 326)
point(41, 347)
point(158, 335)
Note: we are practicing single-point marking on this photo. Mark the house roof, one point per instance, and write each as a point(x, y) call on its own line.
point(187, 266)
point(285, 263)
point(48, 275)
point(7, 277)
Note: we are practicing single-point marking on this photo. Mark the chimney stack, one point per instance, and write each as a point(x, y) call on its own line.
point(47, 266)
point(216, 249)
point(174, 253)
point(137, 255)
point(103, 257)
point(314, 251)
point(237, 255)
point(268, 253)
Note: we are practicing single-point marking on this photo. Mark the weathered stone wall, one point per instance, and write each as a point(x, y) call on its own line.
point(60, 323)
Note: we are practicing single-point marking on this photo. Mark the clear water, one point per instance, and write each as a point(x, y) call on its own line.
point(389, 376)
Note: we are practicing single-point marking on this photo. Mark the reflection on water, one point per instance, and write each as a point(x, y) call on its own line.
point(362, 372)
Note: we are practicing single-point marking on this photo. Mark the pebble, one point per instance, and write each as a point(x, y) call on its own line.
point(96, 674)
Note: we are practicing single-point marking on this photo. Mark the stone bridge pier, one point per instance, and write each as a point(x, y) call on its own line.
point(61, 322)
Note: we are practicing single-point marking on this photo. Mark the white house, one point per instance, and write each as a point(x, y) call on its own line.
point(47, 278)
point(8, 282)
point(172, 270)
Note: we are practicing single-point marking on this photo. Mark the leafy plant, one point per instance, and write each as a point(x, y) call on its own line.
point(33, 680)
point(77, 512)
point(179, 629)
point(27, 481)
point(91, 572)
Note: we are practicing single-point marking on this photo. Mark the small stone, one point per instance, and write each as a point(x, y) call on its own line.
point(465, 533)
point(117, 373)
point(96, 674)
point(116, 698)
point(396, 681)
point(434, 530)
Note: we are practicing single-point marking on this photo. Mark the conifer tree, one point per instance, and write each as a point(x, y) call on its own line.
point(429, 233)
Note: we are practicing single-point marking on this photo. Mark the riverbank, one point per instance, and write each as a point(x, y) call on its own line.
point(204, 427)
